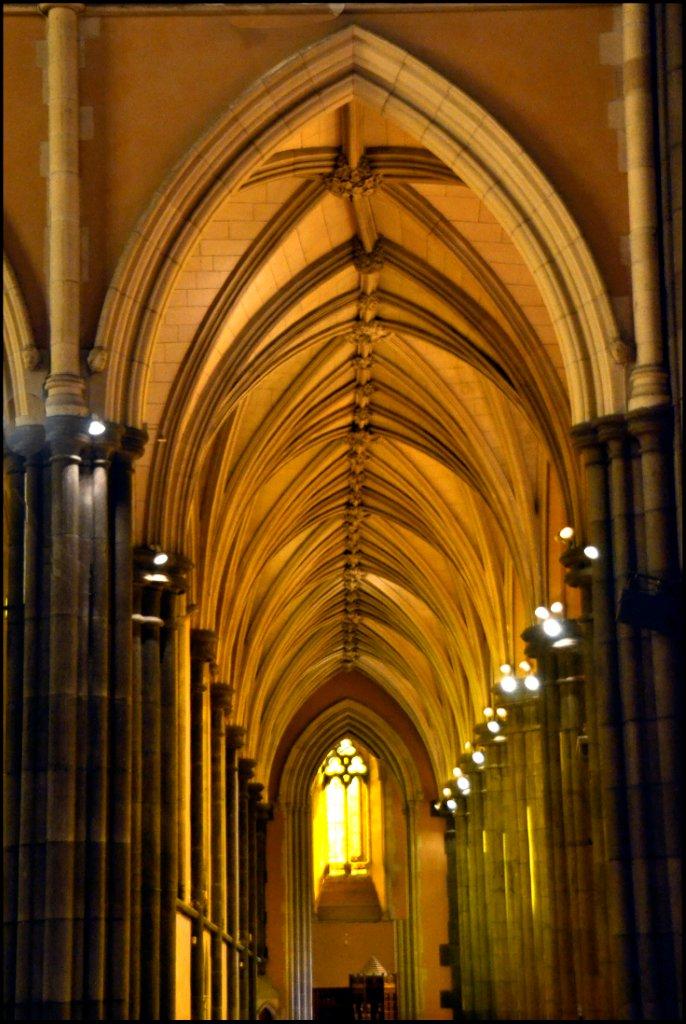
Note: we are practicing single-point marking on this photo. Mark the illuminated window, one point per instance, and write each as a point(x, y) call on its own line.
point(344, 783)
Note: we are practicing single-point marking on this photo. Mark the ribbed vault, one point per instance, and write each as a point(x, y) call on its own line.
point(358, 394)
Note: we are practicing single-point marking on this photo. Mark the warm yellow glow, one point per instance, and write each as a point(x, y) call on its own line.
point(335, 823)
point(541, 612)
point(524, 666)
point(551, 627)
point(501, 713)
point(566, 533)
point(506, 669)
point(447, 791)
point(508, 684)
point(532, 870)
point(557, 607)
point(488, 712)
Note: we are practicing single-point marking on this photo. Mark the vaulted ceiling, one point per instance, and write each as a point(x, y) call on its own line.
point(358, 420)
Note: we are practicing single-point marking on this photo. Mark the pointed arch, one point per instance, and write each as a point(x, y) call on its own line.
point(357, 64)
point(19, 349)
point(346, 717)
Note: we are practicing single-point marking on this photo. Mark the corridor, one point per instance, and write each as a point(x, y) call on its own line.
point(342, 486)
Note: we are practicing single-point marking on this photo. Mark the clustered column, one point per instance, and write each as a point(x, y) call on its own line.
point(69, 714)
point(635, 621)
point(521, 936)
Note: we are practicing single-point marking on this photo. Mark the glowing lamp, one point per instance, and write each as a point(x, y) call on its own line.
point(551, 627)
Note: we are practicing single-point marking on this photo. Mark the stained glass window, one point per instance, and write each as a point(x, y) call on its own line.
point(344, 779)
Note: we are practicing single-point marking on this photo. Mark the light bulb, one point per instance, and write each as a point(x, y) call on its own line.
point(488, 712)
point(501, 713)
point(96, 427)
point(551, 627)
point(591, 551)
point(532, 682)
point(468, 747)
point(437, 805)
point(508, 684)
point(463, 783)
point(451, 805)
point(478, 757)
point(506, 669)
point(447, 791)
point(525, 666)
point(493, 726)
point(565, 641)
point(457, 772)
point(541, 612)
point(156, 577)
point(161, 558)
point(557, 607)
point(566, 533)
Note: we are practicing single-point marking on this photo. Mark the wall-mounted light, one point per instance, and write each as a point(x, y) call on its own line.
point(541, 612)
point(508, 684)
point(532, 682)
point(493, 726)
point(488, 712)
point(506, 669)
point(478, 757)
point(464, 784)
point(96, 427)
point(161, 558)
point(557, 607)
point(457, 772)
point(451, 804)
point(156, 577)
point(552, 627)
point(592, 552)
point(524, 666)
point(447, 791)
point(566, 533)
point(501, 713)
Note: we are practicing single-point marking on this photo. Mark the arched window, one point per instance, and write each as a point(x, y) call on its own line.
point(344, 776)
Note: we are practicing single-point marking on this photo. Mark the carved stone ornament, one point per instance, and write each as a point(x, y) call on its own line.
point(368, 262)
point(97, 359)
point(31, 357)
point(348, 182)
point(368, 306)
point(623, 352)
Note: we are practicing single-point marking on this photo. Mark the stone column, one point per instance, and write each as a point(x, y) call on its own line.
point(496, 901)
point(245, 773)
point(235, 738)
point(173, 604)
point(254, 794)
point(453, 944)
point(220, 698)
point(653, 430)
point(121, 823)
point(14, 468)
point(606, 737)
point(62, 886)
point(264, 816)
point(203, 651)
point(64, 385)
point(465, 1001)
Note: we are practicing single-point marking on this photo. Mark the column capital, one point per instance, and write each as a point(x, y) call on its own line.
point(255, 790)
point(652, 426)
point(203, 645)
point(235, 736)
point(246, 766)
point(220, 696)
point(612, 430)
point(76, 8)
point(26, 440)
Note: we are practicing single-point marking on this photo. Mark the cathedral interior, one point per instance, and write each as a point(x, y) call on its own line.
point(342, 416)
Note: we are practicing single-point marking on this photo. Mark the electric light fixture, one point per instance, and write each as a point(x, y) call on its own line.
point(591, 551)
point(551, 627)
point(451, 805)
point(161, 558)
point(566, 533)
point(557, 607)
point(525, 666)
point(463, 783)
point(447, 791)
point(508, 684)
point(532, 682)
point(478, 757)
point(488, 712)
point(493, 726)
point(541, 612)
point(506, 669)
point(96, 427)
